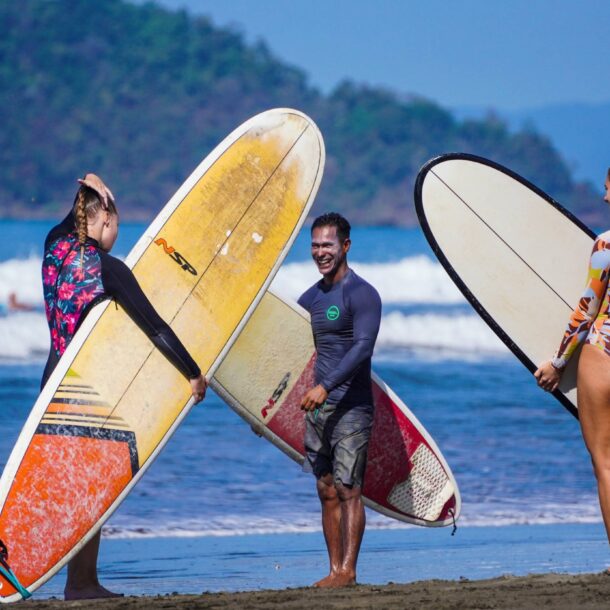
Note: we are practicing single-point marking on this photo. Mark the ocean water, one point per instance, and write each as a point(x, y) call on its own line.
point(517, 455)
point(158, 566)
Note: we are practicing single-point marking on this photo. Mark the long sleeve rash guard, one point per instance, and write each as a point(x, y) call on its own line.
point(71, 289)
point(345, 320)
point(590, 321)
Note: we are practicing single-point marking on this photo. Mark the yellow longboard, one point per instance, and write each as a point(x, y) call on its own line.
point(114, 401)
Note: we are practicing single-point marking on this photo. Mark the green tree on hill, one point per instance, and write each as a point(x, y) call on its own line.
point(140, 94)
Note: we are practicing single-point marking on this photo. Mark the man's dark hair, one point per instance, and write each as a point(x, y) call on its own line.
point(332, 219)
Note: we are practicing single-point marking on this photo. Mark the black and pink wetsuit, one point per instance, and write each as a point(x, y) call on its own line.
point(71, 290)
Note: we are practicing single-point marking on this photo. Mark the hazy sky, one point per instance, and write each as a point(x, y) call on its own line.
point(505, 54)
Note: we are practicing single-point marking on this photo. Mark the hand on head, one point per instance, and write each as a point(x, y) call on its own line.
point(96, 183)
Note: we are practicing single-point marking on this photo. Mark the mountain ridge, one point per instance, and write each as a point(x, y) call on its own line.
point(140, 93)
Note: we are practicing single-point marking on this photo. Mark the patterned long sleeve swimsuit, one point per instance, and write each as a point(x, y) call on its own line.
point(72, 289)
point(590, 321)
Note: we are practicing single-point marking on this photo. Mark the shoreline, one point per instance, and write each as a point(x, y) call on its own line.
point(256, 563)
point(560, 591)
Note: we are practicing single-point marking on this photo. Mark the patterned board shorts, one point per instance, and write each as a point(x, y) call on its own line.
point(336, 441)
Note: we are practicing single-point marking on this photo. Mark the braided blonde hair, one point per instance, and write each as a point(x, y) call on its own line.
point(87, 204)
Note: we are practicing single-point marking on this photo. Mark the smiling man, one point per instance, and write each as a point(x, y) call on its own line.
point(345, 315)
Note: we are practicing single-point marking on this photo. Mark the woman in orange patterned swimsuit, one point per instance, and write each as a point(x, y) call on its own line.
point(590, 323)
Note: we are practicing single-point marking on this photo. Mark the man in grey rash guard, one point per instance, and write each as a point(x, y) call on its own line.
point(345, 315)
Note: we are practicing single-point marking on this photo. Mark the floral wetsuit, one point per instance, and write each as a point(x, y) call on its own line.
point(590, 321)
point(70, 290)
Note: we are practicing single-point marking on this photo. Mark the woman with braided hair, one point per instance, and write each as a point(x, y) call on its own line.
point(77, 273)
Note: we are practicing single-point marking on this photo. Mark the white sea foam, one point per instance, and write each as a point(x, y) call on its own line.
point(228, 525)
point(243, 525)
point(24, 336)
point(456, 333)
point(547, 514)
point(413, 280)
point(23, 278)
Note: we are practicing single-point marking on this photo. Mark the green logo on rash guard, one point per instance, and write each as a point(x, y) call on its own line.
point(332, 313)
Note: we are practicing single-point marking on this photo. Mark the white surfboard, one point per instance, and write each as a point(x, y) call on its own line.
point(517, 255)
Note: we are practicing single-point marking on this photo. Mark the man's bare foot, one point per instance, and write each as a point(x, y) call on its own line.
point(336, 580)
point(92, 592)
point(322, 583)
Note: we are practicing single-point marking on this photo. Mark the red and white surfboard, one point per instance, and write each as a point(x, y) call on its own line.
point(267, 372)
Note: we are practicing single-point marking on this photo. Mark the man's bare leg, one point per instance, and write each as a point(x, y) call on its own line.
point(82, 582)
point(331, 525)
point(353, 520)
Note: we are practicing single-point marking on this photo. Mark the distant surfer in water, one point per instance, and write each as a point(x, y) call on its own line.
point(345, 316)
point(590, 324)
point(77, 273)
point(14, 304)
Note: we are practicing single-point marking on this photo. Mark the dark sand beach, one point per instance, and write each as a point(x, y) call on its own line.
point(558, 591)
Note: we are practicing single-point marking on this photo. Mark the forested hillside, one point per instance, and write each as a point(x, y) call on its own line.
point(140, 95)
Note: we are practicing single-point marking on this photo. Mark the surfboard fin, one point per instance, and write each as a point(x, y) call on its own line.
point(452, 513)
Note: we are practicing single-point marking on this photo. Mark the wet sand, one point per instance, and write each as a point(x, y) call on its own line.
point(559, 591)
